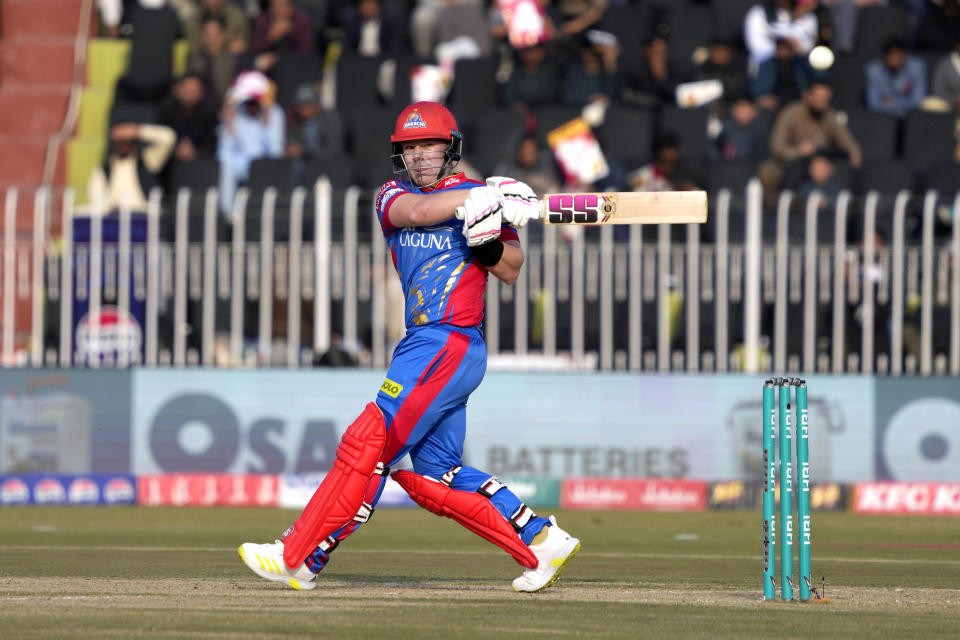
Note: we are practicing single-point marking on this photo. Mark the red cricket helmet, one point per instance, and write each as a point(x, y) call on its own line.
point(426, 121)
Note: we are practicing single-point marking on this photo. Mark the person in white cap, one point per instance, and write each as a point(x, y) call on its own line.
point(252, 127)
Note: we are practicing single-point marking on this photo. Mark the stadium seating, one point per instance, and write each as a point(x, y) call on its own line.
point(553, 116)
point(876, 133)
point(491, 138)
point(630, 23)
point(627, 134)
point(846, 78)
point(474, 89)
point(690, 27)
point(368, 133)
point(886, 177)
point(729, 175)
point(292, 70)
point(944, 178)
point(271, 172)
point(690, 126)
point(106, 61)
point(928, 139)
point(83, 154)
point(356, 88)
point(727, 17)
point(198, 176)
point(877, 24)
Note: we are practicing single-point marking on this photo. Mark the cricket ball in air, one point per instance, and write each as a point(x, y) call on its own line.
point(821, 57)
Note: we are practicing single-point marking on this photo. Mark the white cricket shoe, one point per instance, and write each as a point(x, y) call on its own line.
point(266, 560)
point(553, 553)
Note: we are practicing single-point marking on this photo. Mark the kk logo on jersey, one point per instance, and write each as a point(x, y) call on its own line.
point(414, 121)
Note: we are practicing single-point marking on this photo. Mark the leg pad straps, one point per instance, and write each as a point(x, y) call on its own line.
point(471, 509)
point(340, 497)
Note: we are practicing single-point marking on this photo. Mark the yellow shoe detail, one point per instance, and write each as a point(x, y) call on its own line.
point(295, 584)
point(260, 560)
point(240, 551)
point(560, 563)
point(275, 567)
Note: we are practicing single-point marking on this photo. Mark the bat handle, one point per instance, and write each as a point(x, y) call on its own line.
point(460, 212)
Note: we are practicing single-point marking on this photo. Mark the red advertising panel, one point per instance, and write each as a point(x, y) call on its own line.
point(208, 489)
point(912, 498)
point(635, 493)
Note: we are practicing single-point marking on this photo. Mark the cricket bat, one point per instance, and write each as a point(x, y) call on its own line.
point(624, 207)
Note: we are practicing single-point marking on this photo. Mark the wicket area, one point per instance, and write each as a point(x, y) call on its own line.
point(779, 420)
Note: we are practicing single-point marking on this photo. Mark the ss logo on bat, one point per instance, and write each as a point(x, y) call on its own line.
point(583, 208)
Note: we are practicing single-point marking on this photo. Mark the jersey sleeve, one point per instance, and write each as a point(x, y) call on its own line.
point(508, 232)
point(385, 197)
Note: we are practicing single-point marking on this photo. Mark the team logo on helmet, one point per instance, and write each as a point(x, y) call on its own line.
point(414, 121)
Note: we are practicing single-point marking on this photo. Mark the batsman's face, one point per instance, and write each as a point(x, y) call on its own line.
point(424, 160)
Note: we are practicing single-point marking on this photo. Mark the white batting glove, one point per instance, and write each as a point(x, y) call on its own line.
point(482, 215)
point(520, 203)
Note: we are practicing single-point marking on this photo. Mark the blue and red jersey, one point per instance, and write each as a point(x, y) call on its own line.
point(442, 282)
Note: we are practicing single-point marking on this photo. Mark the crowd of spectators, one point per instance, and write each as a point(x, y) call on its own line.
point(257, 85)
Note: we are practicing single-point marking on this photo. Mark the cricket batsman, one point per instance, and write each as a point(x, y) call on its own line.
point(421, 408)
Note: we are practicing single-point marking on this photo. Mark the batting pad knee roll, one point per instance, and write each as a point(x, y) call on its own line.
point(471, 509)
point(339, 498)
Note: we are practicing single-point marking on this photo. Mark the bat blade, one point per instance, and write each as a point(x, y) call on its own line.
point(625, 207)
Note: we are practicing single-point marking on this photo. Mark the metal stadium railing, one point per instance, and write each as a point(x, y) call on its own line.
point(854, 284)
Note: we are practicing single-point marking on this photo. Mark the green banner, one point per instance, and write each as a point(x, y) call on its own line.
point(536, 492)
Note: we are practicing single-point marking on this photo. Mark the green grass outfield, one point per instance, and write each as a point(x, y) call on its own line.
point(119, 572)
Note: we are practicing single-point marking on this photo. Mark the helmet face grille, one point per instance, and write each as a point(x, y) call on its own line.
point(451, 157)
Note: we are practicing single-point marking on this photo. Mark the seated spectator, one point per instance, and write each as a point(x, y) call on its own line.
point(533, 164)
point(723, 64)
point(435, 22)
point(666, 172)
point(653, 78)
point(252, 128)
point(155, 28)
point(946, 77)
point(790, 83)
point(574, 17)
point(236, 25)
point(593, 76)
point(843, 16)
point(282, 27)
point(192, 117)
point(115, 14)
point(111, 13)
point(424, 21)
point(215, 63)
point(743, 136)
point(372, 30)
point(137, 155)
point(939, 25)
point(312, 131)
point(896, 82)
point(778, 35)
point(803, 129)
point(821, 178)
point(534, 80)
